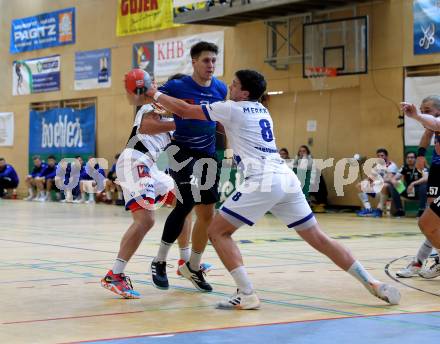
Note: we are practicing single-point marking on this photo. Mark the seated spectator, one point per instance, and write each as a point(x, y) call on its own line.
point(111, 186)
point(415, 183)
point(8, 177)
point(44, 182)
point(284, 153)
point(39, 166)
point(92, 179)
point(317, 187)
point(377, 184)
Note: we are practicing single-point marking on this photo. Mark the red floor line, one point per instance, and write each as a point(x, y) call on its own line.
point(68, 318)
point(245, 326)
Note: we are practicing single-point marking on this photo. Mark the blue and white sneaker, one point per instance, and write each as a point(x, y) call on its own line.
point(377, 213)
point(365, 213)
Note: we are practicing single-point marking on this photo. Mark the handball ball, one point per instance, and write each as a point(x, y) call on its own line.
point(137, 81)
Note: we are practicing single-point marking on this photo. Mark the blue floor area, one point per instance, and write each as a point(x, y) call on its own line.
point(392, 329)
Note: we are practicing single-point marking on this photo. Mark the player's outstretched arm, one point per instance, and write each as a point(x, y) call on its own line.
point(177, 106)
point(428, 121)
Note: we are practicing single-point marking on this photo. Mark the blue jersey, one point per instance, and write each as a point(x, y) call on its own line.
point(36, 171)
point(436, 153)
point(49, 172)
point(9, 172)
point(192, 133)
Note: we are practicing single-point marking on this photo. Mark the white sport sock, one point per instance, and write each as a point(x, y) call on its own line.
point(242, 281)
point(108, 195)
point(120, 195)
point(162, 254)
point(364, 199)
point(92, 197)
point(185, 253)
point(424, 252)
point(358, 272)
point(382, 200)
point(119, 266)
point(31, 192)
point(194, 260)
point(83, 196)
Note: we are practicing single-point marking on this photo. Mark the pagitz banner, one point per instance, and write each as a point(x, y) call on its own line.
point(36, 75)
point(43, 31)
point(138, 16)
point(93, 69)
point(171, 56)
point(63, 132)
point(426, 26)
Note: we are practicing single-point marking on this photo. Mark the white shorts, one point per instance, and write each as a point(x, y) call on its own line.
point(141, 181)
point(281, 195)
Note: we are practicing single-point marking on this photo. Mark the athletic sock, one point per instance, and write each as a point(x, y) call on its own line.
point(31, 192)
point(83, 196)
point(120, 196)
point(194, 260)
point(358, 272)
point(424, 252)
point(382, 200)
point(364, 199)
point(119, 266)
point(92, 197)
point(162, 254)
point(242, 281)
point(185, 253)
point(108, 195)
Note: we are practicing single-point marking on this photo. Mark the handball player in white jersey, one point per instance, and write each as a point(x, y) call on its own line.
point(143, 184)
point(269, 185)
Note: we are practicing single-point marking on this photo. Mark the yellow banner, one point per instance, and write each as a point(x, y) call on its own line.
point(137, 16)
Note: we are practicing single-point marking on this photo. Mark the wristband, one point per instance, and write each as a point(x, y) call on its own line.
point(421, 151)
point(157, 95)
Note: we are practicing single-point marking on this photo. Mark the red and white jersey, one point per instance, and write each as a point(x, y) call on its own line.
point(249, 129)
point(155, 144)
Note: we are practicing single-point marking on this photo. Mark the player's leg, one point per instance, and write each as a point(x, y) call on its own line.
point(415, 267)
point(116, 280)
point(363, 196)
point(30, 187)
point(109, 189)
point(429, 223)
point(183, 242)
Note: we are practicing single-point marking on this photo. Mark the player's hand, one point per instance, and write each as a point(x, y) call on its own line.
point(152, 89)
point(420, 163)
point(409, 109)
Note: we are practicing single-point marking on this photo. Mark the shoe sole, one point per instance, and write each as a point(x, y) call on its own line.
point(430, 277)
point(191, 280)
point(118, 292)
point(237, 308)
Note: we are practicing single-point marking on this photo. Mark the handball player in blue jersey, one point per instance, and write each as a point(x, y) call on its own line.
point(196, 183)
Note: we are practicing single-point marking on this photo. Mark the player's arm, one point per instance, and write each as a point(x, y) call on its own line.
point(428, 121)
point(177, 106)
point(152, 126)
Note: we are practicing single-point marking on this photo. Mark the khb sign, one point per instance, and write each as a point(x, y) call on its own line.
point(43, 31)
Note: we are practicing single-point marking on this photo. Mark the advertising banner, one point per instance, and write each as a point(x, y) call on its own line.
point(43, 31)
point(36, 75)
point(6, 129)
point(426, 26)
point(92, 69)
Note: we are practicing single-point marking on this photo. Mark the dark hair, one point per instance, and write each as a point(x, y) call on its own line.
point(1, 158)
point(411, 152)
point(78, 156)
point(35, 157)
point(284, 150)
point(253, 82)
point(434, 99)
point(202, 46)
point(117, 156)
point(306, 148)
point(382, 150)
point(176, 76)
point(51, 157)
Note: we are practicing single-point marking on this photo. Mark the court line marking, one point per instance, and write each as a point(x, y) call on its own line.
point(255, 325)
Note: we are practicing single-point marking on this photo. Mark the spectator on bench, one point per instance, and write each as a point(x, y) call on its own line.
point(8, 177)
point(415, 182)
point(45, 181)
point(92, 179)
point(111, 186)
point(39, 166)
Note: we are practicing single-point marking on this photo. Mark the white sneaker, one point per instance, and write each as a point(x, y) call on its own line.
point(411, 270)
point(29, 198)
point(432, 272)
point(91, 201)
point(387, 292)
point(240, 301)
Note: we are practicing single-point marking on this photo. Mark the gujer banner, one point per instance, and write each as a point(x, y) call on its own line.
point(93, 69)
point(36, 75)
point(43, 31)
point(171, 56)
point(63, 132)
point(136, 16)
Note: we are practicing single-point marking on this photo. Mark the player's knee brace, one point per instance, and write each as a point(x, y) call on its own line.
point(174, 223)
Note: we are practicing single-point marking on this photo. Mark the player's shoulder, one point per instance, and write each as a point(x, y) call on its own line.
point(217, 83)
point(145, 108)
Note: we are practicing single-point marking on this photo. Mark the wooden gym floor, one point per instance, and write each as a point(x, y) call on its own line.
point(53, 255)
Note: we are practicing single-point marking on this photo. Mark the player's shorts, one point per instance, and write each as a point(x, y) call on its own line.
point(435, 206)
point(434, 181)
point(196, 182)
point(281, 195)
point(142, 183)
